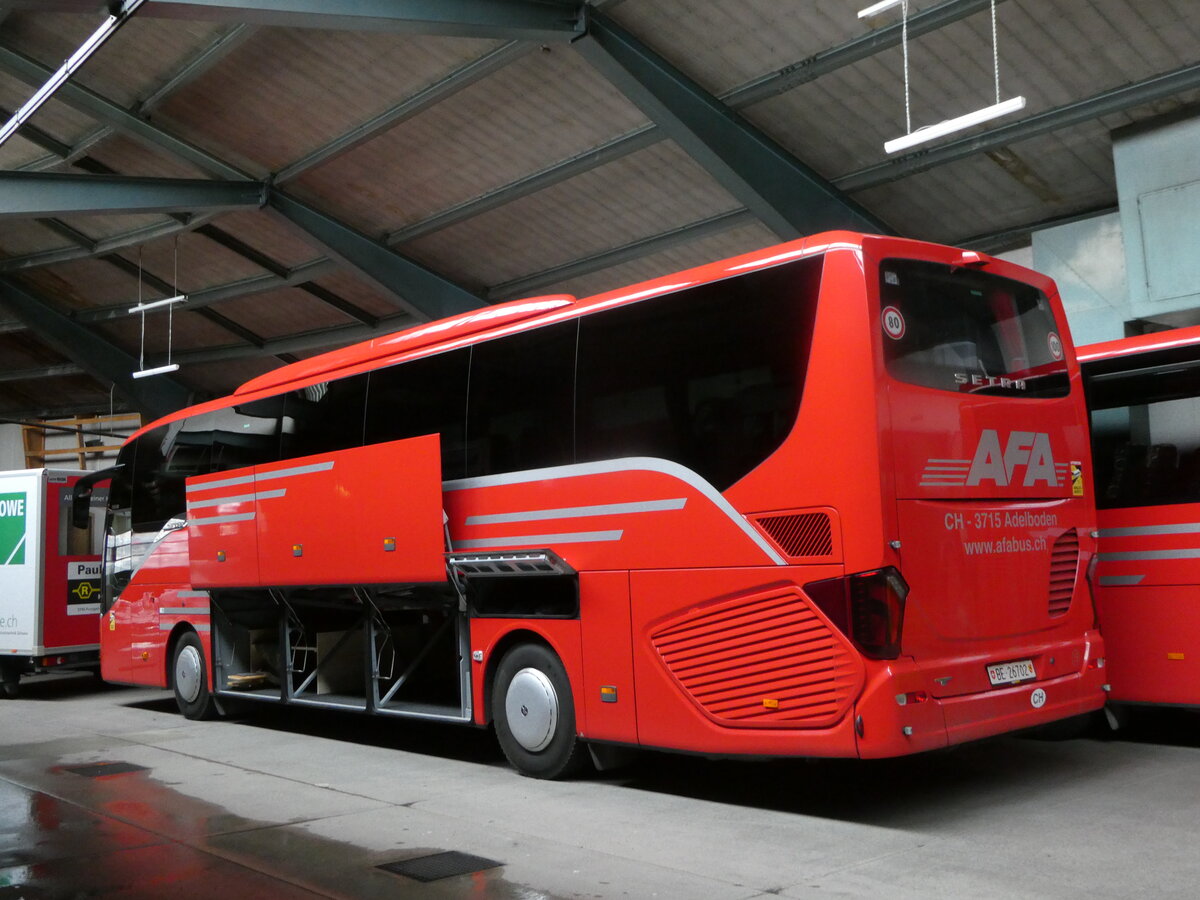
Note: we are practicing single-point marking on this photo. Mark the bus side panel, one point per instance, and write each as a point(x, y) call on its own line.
point(738, 661)
point(608, 698)
point(1152, 637)
point(1148, 602)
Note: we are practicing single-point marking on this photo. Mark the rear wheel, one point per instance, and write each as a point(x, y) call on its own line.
point(10, 679)
point(189, 679)
point(535, 713)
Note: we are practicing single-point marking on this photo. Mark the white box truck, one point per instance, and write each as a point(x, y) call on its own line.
point(49, 578)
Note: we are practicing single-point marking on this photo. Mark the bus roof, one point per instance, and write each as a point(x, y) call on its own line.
point(1144, 343)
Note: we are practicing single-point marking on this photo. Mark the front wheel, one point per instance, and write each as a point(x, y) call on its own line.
point(535, 713)
point(189, 679)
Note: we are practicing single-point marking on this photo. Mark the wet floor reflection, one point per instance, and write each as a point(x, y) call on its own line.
point(128, 835)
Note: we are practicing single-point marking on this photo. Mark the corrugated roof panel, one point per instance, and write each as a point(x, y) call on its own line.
point(310, 85)
point(276, 239)
point(544, 107)
point(357, 291)
point(722, 44)
point(282, 313)
point(21, 236)
point(639, 196)
point(191, 331)
point(696, 253)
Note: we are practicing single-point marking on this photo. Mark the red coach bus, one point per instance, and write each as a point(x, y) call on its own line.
point(1144, 397)
point(823, 499)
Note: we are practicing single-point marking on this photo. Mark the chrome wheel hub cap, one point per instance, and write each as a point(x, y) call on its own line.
point(531, 707)
point(189, 674)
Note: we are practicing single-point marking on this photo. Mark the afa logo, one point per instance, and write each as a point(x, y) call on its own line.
point(1025, 449)
point(12, 529)
point(1023, 459)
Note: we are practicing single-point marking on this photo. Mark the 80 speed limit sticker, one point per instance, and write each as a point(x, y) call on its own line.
point(893, 323)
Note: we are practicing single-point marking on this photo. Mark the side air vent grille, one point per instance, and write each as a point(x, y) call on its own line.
point(761, 660)
point(800, 535)
point(1064, 561)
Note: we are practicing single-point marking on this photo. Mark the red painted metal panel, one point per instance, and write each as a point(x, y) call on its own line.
point(368, 515)
point(608, 698)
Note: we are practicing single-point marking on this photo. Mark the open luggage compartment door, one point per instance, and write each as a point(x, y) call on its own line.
point(367, 515)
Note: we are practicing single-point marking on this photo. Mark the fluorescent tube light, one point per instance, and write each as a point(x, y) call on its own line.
point(161, 370)
point(882, 6)
point(142, 307)
point(949, 126)
point(77, 59)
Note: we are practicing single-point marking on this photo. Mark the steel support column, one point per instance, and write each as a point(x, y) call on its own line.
point(420, 292)
point(788, 196)
point(34, 194)
point(530, 20)
point(106, 363)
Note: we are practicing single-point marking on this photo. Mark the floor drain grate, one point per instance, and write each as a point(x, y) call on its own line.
point(440, 865)
point(95, 770)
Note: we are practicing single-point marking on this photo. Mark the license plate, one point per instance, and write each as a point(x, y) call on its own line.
point(1011, 672)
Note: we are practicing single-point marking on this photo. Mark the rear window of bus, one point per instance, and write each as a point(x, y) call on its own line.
point(960, 329)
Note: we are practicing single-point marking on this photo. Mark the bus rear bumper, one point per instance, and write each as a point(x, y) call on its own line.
point(889, 727)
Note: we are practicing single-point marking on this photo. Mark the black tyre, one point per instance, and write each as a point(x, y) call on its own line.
point(189, 679)
point(535, 713)
point(10, 680)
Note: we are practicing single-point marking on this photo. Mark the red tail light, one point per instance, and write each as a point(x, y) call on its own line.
point(868, 607)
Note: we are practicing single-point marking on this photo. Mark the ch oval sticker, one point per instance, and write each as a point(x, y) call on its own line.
point(893, 323)
point(1038, 698)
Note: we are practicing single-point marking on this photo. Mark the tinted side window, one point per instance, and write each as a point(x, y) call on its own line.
point(243, 435)
point(709, 377)
point(1146, 434)
point(425, 396)
point(324, 417)
point(520, 414)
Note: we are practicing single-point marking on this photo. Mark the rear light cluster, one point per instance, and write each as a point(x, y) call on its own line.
point(867, 607)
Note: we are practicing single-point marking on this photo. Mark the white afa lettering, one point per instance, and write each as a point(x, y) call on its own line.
point(1030, 449)
point(12, 508)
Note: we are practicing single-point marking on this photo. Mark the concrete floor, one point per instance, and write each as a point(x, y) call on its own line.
point(288, 803)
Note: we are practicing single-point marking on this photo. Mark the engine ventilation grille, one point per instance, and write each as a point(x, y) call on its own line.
point(762, 660)
point(800, 535)
point(1064, 562)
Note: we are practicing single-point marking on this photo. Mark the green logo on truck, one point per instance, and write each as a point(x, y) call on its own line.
point(12, 529)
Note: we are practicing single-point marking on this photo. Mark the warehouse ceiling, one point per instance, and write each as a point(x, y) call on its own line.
point(311, 173)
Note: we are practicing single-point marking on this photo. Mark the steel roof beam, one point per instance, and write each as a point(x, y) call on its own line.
point(102, 360)
point(420, 291)
point(788, 196)
point(34, 194)
point(530, 20)
point(42, 372)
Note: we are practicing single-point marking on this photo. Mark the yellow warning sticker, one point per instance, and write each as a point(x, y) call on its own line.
point(1076, 479)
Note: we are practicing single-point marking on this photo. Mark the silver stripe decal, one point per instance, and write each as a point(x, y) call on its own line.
point(222, 483)
point(183, 610)
point(1118, 580)
point(295, 470)
point(221, 520)
point(200, 595)
point(1186, 553)
point(240, 498)
point(199, 626)
point(634, 463)
point(1181, 528)
point(578, 537)
point(579, 512)
point(262, 476)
